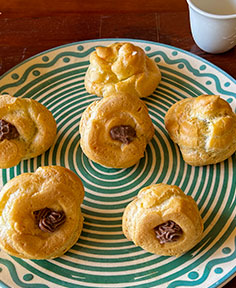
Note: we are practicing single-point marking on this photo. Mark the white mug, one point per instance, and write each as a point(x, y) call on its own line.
point(213, 24)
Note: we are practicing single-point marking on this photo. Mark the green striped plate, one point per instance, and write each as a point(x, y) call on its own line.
point(103, 257)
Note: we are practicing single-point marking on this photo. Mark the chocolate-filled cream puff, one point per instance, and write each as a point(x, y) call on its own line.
point(163, 220)
point(27, 129)
point(115, 130)
point(40, 215)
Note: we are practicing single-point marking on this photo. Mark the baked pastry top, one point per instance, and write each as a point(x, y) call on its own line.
point(40, 216)
point(27, 129)
point(163, 220)
point(121, 67)
point(115, 130)
point(204, 128)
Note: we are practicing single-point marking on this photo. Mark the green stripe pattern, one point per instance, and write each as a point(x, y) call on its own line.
point(103, 257)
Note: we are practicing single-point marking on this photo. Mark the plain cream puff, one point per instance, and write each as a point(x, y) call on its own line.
point(121, 67)
point(204, 128)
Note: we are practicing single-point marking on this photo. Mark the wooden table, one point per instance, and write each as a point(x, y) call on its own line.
point(30, 27)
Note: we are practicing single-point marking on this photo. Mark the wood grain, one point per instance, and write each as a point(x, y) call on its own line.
point(36, 7)
point(25, 36)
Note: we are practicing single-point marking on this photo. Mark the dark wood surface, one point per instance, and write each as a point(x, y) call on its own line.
point(28, 27)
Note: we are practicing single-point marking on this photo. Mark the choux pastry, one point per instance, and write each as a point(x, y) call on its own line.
point(40, 215)
point(121, 67)
point(163, 220)
point(27, 129)
point(115, 130)
point(204, 128)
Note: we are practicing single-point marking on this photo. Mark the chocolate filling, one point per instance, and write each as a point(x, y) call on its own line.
point(123, 133)
point(168, 232)
point(49, 220)
point(7, 130)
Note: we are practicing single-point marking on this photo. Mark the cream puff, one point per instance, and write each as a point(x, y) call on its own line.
point(115, 130)
point(204, 128)
point(27, 129)
point(40, 215)
point(121, 67)
point(163, 220)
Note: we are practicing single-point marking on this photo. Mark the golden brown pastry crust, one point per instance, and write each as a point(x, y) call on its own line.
point(53, 187)
point(204, 128)
point(97, 121)
point(121, 67)
point(35, 125)
point(155, 205)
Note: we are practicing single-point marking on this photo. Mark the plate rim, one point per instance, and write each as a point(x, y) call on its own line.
point(231, 274)
point(118, 40)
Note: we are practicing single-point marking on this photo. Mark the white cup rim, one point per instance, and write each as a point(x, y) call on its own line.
point(211, 15)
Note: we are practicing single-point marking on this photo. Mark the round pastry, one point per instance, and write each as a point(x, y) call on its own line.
point(115, 130)
point(121, 67)
point(163, 220)
point(204, 128)
point(40, 216)
point(27, 129)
